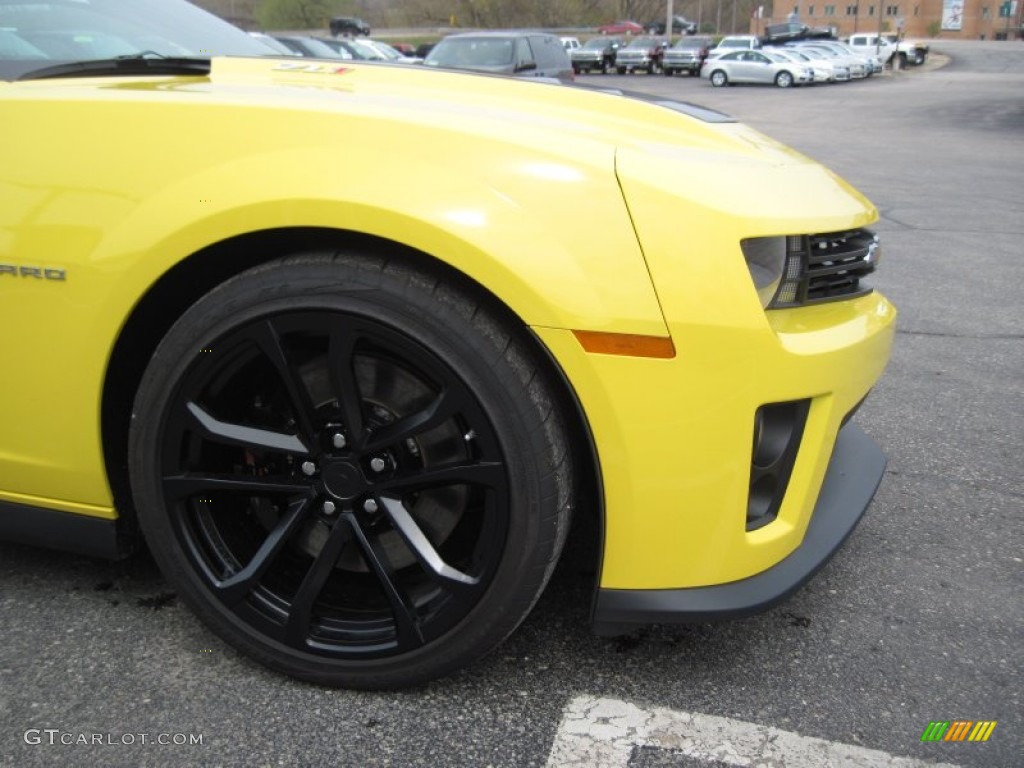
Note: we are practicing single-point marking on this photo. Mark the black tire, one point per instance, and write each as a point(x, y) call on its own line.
point(621, 70)
point(718, 78)
point(784, 79)
point(351, 470)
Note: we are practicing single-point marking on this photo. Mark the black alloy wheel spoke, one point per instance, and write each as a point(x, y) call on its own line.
point(342, 356)
point(435, 413)
point(488, 474)
point(182, 486)
point(300, 613)
point(269, 340)
point(246, 437)
point(445, 576)
point(236, 587)
point(337, 483)
point(407, 627)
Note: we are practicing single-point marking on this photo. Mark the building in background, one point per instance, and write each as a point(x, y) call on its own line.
point(945, 19)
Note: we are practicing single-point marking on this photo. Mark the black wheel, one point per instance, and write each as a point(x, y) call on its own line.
point(667, 72)
point(621, 70)
point(784, 79)
point(719, 78)
point(352, 472)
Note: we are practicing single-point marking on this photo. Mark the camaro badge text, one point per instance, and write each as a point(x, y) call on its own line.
point(39, 273)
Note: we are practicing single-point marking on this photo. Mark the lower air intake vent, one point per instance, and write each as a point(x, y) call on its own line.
point(778, 428)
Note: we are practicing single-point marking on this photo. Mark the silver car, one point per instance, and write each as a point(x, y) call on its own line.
point(825, 70)
point(859, 67)
point(755, 67)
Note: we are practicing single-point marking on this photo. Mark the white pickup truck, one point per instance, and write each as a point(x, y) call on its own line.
point(888, 44)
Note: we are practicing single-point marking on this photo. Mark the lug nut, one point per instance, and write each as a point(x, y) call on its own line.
point(377, 464)
point(329, 508)
point(308, 468)
point(338, 440)
point(370, 506)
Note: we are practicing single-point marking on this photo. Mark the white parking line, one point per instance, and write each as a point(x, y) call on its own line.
point(603, 733)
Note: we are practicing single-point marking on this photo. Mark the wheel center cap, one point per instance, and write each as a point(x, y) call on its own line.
point(343, 480)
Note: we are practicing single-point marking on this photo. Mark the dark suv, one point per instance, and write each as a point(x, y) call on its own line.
point(349, 26)
point(598, 53)
point(776, 34)
point(504, 52)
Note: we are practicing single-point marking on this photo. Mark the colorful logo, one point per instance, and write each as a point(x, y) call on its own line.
point(958, 730)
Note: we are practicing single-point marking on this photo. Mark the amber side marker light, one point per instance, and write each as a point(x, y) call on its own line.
point(626, 344)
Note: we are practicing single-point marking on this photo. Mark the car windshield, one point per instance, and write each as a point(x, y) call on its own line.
point(643, 42)
point(37, 34)
point(596, 44)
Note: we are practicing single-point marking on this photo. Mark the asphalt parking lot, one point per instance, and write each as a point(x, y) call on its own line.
point(918, 619)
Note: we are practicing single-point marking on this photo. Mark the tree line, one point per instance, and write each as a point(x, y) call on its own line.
point(713, 15)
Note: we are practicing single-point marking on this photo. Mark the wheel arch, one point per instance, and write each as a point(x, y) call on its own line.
point(191, 278)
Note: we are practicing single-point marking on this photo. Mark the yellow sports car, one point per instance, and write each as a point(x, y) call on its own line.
point(349, 344)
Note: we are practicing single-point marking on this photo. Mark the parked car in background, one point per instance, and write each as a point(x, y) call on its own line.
point(349, 48)
point(274, 44)
point(524, 54)
point(680, 25)
point(871, 63)
point(873, 60)
point(825, 70)
point(757, 67)
point(348, 26)
point(642, 54)
point(875, 43)
point(889, 45)
point(621, 28)
point(776, 34)
point(387, 52)
point(735, 42)
point(909, 51)
point(858, 66)
point(570, 43)
point(406, 49)
point(315, 48)
point(687, 55)
point(597, 54)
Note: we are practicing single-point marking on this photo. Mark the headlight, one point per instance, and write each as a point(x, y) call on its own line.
point(766, 258)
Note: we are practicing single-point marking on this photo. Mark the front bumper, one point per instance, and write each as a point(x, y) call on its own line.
point(853, 476)
point(635, 63)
